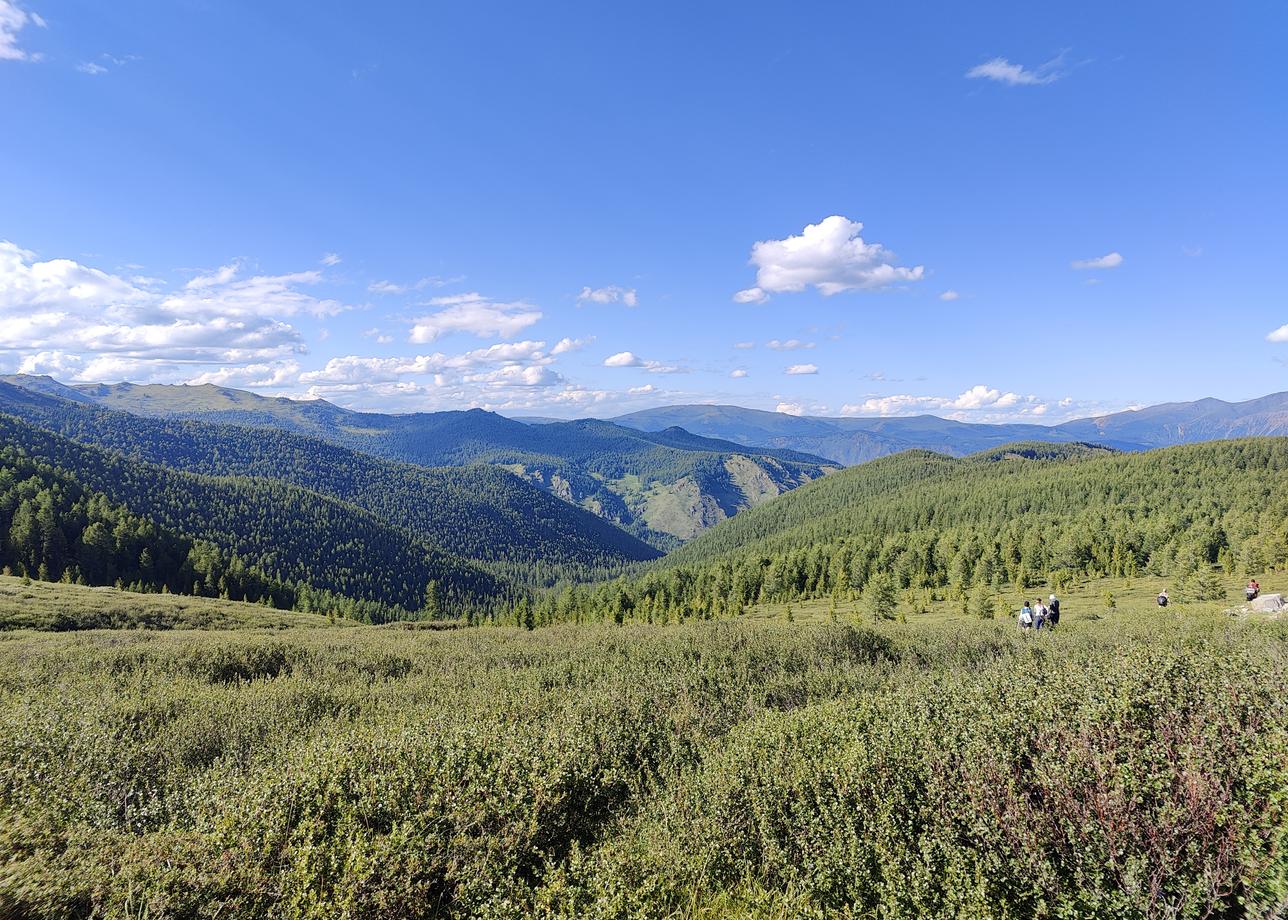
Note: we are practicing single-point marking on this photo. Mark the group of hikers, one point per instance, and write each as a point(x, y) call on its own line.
point(1045, 616)
point(1040, 615)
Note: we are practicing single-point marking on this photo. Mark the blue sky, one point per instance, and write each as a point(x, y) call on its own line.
point(580, 209)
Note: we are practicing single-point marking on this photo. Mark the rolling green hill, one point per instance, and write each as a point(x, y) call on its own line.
point(59, 607)
point(1024, 516)
point(663, 487)
point(292, 535)
point(477, 512)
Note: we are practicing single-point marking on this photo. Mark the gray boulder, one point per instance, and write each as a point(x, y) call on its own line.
point(1268, 603)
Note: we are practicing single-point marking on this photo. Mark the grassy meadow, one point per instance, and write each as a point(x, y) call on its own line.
point(1132, 764)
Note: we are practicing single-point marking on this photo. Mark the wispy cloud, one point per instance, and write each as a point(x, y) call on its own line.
point(104, 63)
point(430, 281)
point(1000, 70)
point(610, 294)
point(788, 345)
point(949, 295)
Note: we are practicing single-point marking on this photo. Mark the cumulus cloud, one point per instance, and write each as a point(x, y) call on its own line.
point(829, 256)
point(503, 376)
point(1000, 70)
point(1109, 260)
point(790, 408)
point(949, 295)
point(62, 307)
point(972, 403)
point(276, 374)
point(610, 294)
point(738, 373)
point(623, 359)
point(474, 314)
point(13, 19)
point(630, 359)
point(1278, 335)
point(566, 344)
point(797, 370)
point(789, 345)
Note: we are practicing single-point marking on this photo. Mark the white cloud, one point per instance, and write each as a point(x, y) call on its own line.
point(103, 324)
point(566, 344)
point(744, 346)
point(789, 345)
point(790, 408)
point(380, 337)
point(949, 295)
point(1000, 70)
point(830, 256)
point(91, 68)
point(1109, 260)
point(610, 294)
point(330, 258)
point(276, 374)
point(738, 373)
point(13, 19)
point(630, 359)
point(750, 295)
point(1278, 335)
point(474, 314)
point(503, 376)
point(623, 359)
point(430, 281)
point(642, 391)
point(797, 370)
point(979, 403)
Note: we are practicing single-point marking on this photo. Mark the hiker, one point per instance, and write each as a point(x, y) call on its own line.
point(1162, 598)
point(1040, 617)
point(1053, 616)
point(1252, 590)
point(1026, 616)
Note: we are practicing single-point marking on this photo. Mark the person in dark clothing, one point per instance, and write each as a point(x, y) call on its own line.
point(1053, 611)
point(1162, 598)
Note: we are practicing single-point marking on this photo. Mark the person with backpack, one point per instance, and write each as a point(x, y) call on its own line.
point(1053, 608)
point(1162, 598)
point(1026, 616)
point(1253, 590)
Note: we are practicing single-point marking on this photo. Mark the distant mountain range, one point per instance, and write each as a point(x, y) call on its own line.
point(662, 486)
point(856, 440)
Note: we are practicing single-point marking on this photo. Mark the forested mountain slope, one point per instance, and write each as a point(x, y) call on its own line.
point(1021, 516)
point(477, 512)
point(52, 528)
point(293, 535)
point(663, 487)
